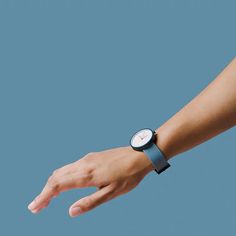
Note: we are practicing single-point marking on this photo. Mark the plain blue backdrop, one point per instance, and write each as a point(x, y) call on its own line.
point(81, 76)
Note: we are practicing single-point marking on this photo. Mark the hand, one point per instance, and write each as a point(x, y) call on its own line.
point(114, 172)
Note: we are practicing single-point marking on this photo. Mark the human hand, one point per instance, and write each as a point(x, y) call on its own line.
point(114, 172)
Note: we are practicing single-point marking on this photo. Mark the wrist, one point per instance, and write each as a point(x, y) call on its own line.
point(165, 141)
point(140, 161)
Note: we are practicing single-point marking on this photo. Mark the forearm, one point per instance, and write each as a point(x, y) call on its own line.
point(210, 113)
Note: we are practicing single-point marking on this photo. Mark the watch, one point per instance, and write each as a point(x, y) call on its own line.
point(145, 140)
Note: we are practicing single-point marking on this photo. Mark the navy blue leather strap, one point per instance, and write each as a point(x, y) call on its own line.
point(157, 158)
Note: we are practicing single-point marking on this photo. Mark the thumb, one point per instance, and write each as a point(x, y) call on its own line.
point(90, 202)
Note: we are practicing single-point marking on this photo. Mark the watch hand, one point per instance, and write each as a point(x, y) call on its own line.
point(143, 137)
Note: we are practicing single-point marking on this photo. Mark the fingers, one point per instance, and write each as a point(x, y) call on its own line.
point(60, 181)
point(43, 199)
point(90, 202)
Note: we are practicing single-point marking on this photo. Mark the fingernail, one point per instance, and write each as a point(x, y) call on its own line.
point(75, 211)
point(32, 205)
point(35, 211)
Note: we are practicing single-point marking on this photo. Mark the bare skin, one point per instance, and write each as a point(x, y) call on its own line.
point(117, 171)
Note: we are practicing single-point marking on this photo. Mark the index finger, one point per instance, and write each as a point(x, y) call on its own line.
point(51, 189)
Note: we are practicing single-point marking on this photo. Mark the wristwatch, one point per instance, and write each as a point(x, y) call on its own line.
point(145, 140)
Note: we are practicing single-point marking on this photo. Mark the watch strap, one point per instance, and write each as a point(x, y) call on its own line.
point(157, 158)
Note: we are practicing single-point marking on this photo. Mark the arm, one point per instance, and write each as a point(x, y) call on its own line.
point(119, 170)
point(210, 113)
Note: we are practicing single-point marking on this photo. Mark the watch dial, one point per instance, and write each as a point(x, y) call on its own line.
point(141, 138)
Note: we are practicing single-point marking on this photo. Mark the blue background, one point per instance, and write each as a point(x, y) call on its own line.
point(81, 76)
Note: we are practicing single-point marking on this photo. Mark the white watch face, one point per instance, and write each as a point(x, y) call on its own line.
point(141, 138)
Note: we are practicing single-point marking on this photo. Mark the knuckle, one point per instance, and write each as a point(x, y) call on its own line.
point(53, 183)
point(87, 171)
point(87, 175)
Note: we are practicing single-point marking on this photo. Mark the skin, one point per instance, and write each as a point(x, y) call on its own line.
point(117, 171)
